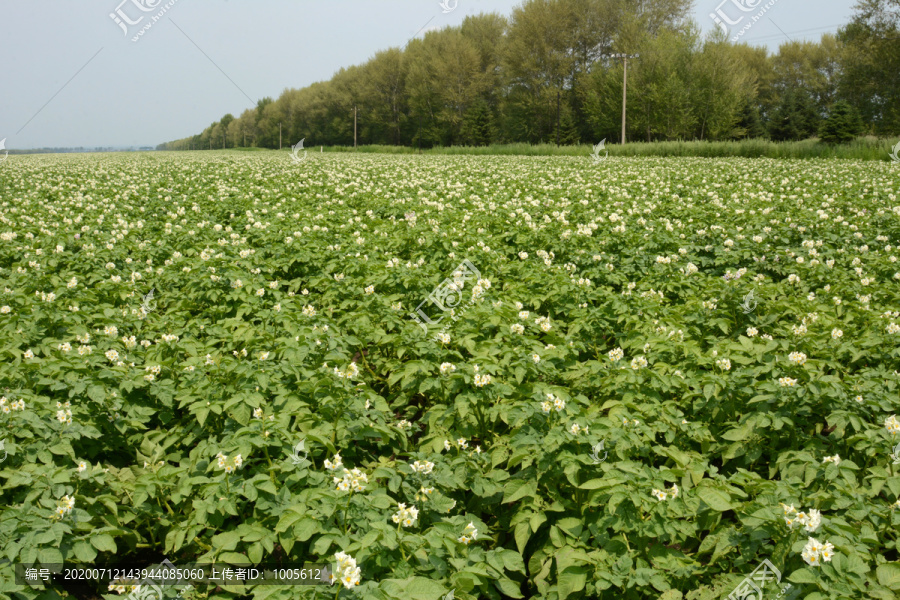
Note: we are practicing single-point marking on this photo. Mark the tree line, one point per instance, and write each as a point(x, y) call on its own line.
point(547, 73)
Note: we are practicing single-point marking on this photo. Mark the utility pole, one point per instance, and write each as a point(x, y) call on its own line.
point(624, 96)
point(223, 138)
point(624, 58)
point(279, 136)
point(557, 118)
point(354, 128)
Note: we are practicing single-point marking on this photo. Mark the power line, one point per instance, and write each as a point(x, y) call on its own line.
point(779, 36)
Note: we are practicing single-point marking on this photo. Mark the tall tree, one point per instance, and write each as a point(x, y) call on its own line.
point(870, 77)
point(718, 87)
point(445, 83)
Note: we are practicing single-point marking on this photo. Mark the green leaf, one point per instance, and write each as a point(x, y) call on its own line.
point(714, 498)
point(287, 519)
point(414, 588)
point(201, 414)
point(234, 558)
point(304, 529)
point(803, 576)
point(888, 575)
point(96, 393)
point(103, 542)
point(508, 588)
point(571, 581)
point(522, 533)
point(516, 489)
point(50, 556)
point(226, 541)
point(739, 434)
point(513, 561)
point(593, 484)
point(84, 551)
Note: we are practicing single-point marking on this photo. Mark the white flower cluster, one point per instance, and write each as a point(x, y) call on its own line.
point(422, 466)
point(575, 429)
point(64, 415)
point(424, 493)
point(353, 479)
point(815, 552)
point(15, 405)
point(797, 358)
point(663, 495)
point(349, 373)
point(64, 506)
point(406, 517)
point(811, 521)
point(230, 466)
point(333, 466)
point(347, 572)
point(122, 589)
point(553, 402)
point(461, 442)
point(447, 368)
point(482, 380)
point(469, 535)
point(152, 371)
point(892, 425)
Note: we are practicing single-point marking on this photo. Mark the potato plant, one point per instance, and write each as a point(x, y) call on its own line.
point(665, 372)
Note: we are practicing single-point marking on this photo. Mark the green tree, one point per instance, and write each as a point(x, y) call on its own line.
point(718, 88)
point(870, 64)
point(794, 117)
point(478, 124)
point(445, 83)
point(223, 131)
point(659, 86)
point(842, 125)
point(539, 62)
point(385, 88)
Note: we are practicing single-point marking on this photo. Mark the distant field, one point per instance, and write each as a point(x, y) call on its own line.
point(863, 149)
point(627, 377)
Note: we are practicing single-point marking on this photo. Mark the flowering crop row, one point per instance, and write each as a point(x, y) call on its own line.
point(668, 371)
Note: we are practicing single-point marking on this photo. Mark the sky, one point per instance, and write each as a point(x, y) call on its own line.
point(71, 76)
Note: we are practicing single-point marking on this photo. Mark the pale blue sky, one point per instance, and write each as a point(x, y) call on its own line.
point(122, 93)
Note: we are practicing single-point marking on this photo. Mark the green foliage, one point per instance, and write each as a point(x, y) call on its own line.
point(794, 117)
point(871, 62)
point(171, 423)
point(548, 68)
point(865, 148)
point(842, 124)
